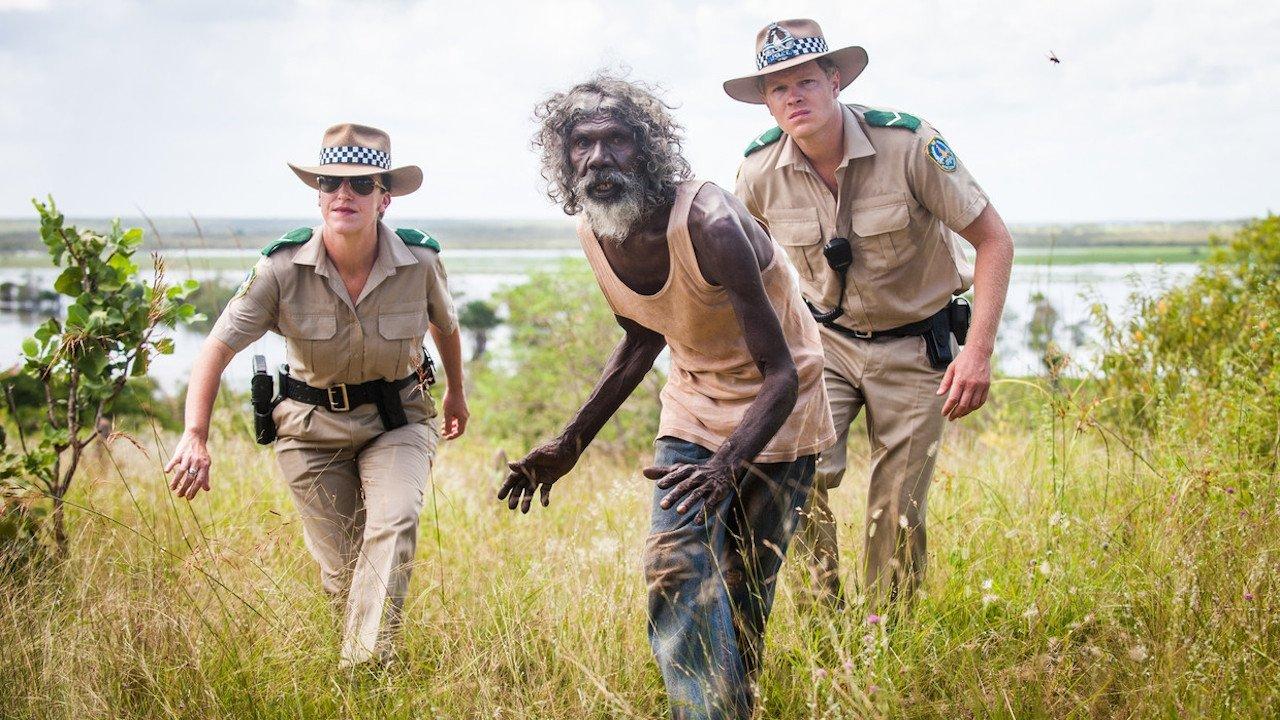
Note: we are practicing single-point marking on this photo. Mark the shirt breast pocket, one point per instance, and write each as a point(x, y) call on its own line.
point(402, 327)
point(879, 225)
point(307, 337)
point(799, 233)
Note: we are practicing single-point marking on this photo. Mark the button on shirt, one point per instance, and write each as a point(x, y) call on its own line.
point(298, 293)
point(903, 216)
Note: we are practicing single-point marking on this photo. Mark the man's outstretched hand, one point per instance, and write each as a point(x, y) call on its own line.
point(538, 470)
point(711, 483)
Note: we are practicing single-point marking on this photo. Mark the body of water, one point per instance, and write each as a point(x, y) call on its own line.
point(1071, 290)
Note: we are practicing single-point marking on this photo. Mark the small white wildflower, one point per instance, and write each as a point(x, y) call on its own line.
point(1046, 569)
point(986, 584)
point(1057, 519)
point(1031, 612)
point(989, 598)
point(902, 522)
point(1138, 653)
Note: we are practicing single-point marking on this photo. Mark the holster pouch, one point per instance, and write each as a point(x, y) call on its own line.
point(960, 313)
point(937, 341)
point(262, 396)
point(391, 407)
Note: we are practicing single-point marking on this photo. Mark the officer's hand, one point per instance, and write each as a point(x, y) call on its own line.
point(968, 379)
point(190, 466)
point(711, 483)
point(455, 413)
point(540, 469)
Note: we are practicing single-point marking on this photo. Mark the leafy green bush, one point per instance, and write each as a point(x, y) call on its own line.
point(112, 329)
point(562, 332)
point(1199, 366)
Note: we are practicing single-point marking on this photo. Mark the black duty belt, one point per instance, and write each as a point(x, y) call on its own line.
point(909, 330)
point(343, 397)
point(937, 329)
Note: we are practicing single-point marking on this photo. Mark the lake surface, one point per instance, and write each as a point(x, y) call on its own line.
point(1071, 290)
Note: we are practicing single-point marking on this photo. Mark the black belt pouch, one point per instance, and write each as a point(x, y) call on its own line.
point(390, 407)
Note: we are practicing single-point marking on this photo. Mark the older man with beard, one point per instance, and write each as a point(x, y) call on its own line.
point(744, 413)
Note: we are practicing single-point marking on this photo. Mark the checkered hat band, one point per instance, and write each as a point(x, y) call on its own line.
point(355, 155)
point(804, 46)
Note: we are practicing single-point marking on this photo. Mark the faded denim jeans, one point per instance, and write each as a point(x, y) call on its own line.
point(711, 586)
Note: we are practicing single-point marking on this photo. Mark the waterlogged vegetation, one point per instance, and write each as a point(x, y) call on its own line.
point(1102, 546)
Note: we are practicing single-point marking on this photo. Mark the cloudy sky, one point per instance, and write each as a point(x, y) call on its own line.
point(1159, 110)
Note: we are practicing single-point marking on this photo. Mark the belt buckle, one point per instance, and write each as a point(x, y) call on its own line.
point(862, 335)
point(346, 402)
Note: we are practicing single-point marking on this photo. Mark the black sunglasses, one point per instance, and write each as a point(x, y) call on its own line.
point(359, 185)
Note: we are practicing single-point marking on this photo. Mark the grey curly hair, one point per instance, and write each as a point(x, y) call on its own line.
point(635, 104)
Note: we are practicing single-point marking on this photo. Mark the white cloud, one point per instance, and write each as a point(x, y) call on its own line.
point(1153, 113)
point(23, 5)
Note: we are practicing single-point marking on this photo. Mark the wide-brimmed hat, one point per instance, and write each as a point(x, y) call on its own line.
point(786, 44)
point(350, 150)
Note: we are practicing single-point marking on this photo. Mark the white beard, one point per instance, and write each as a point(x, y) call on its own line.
point(613, 220)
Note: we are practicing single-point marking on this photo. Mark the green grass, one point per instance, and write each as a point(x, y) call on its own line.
point(498, 262)
point(1110, 254)
point(1068, 579)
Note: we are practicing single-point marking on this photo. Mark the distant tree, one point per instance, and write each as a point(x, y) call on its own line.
point(479, 317)
point(112, 330)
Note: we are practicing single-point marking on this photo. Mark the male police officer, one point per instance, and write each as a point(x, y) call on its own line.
point(867, 204)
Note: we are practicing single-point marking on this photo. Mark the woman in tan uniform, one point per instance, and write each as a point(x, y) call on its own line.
point(355, 437)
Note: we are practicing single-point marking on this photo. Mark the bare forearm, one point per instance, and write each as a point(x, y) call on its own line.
point(450, 347)
point(763, 418)
point(994, 246)
point(990, 286)
point(626, 368)
point(206, 374)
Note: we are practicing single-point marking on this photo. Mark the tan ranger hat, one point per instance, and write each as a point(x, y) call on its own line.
point(350, 150)
point(786, 44)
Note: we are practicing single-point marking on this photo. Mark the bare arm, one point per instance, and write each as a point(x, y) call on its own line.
point(730, 254)
point(191, 453)
point(968, 379)
point(544, 465)
point(456, 414)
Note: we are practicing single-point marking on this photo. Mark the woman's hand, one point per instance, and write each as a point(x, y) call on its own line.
point(189, 465)
point(455, 413)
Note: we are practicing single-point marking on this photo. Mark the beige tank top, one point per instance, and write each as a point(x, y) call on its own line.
point(713, 379)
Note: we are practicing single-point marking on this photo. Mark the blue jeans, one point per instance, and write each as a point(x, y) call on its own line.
point(711, 586)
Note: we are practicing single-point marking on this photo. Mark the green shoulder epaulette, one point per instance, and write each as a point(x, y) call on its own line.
point(768, 137)
point(417, 238)
point(293, 237)
point(888, 118)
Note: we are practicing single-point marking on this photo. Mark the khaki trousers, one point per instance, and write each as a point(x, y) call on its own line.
point(359, 490)
point(892, 379)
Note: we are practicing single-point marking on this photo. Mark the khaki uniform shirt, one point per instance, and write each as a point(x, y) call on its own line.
point(297, 293)
point(905, 209)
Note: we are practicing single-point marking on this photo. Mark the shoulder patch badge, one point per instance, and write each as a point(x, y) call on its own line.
point(247, 283)
point(766, 138)
point(293, 237)
point(889, 118)
point(417, 238)
point(941, 153)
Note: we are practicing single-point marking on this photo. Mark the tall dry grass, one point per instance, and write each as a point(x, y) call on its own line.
point(1070, 576)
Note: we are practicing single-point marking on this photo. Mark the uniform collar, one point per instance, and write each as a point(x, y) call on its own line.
point(856, 144)
point(392, 253)
point(312, 252)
